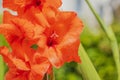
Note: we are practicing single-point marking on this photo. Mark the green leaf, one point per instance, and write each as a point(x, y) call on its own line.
point(34, 46)
point(3, 41)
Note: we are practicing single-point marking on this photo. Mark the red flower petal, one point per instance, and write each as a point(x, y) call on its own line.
point(55, 56)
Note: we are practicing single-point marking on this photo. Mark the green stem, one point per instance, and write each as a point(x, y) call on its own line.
point(52, 76)
point(46, 77)
point(111, 36)
point(86, 67)
point(1, 68)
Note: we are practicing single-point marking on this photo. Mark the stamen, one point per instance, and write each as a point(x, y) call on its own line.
point(52, 39)
point(54, 35)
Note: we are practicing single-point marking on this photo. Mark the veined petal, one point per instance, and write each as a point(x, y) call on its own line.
point(7, 17)
point(22, 49)
point(4, 51)
point(40, 69)
point(20, 64)
point(42, 20)
point(18, 50)
point(73, 34)
point(49, 14)
point(36, 16)
point(24, 26)
point(38, 30)
point(54, 56)
point(10, 4)
point(70, 51)
point(54, 3)
point(70, 42)
point(9, 31)
point(42, 42)
point(34, 76)
point(27, 28)
point(13, 74)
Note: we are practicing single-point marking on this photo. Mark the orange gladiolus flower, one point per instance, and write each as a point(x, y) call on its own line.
point(24, 62)
point(40, 37)
point(21, 35)
point(19, 69)
point(26, 4)
point(60, 40)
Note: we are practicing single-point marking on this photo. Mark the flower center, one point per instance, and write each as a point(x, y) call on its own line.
point(52, 39)
point(37, 2)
